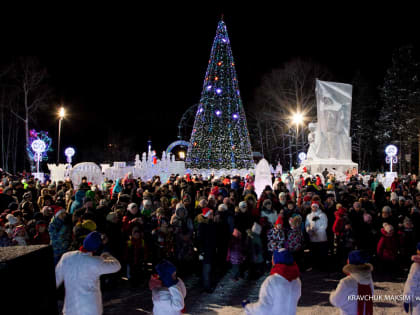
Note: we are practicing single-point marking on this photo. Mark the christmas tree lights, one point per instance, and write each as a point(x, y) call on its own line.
point(220, 137)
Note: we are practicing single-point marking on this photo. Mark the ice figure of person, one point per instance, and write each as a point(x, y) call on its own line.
point(311, 155)
point(334, 107)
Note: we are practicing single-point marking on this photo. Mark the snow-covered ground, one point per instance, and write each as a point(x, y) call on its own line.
point(227, 297)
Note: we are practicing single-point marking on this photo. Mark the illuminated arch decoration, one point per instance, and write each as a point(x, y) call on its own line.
point(176, 143)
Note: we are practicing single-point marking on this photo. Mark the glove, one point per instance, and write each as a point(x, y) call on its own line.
point(244, 302)
point(406, 307)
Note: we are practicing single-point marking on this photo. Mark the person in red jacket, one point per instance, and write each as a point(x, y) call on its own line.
point(387, 248)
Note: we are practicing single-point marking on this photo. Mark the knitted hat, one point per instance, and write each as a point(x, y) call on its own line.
point(165, 271)
point(243, 205)
point(57, 210)
point(89, 225)
point(222, 207)
point(256, 228)
point(418, 246)
point(11, 219)
point(206, 212)
point(132, 207)
point(315, 203)
point(279, 220)
point(179, 205)
point(92, 241)
point(358, 257)
point(401, 198)
point(283, 256)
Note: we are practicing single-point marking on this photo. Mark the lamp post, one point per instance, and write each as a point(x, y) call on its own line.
point(61, 116)
point(297, 119)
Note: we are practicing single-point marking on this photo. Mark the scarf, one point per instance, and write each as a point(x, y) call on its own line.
point(289, 272)
point(364, 307)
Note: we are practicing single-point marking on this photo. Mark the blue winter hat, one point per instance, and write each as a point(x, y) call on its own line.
point(358, 257)
point(165, 270)
point(283, 256)
point(418, 246)
point(92, 241)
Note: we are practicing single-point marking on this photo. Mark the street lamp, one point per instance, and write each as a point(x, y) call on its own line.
point(61, 116)
point(297, 119)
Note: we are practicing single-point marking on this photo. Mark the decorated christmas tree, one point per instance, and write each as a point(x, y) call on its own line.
point(220, 137)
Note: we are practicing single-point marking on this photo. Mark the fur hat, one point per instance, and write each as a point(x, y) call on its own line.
point(222, 207)
point(358, 262)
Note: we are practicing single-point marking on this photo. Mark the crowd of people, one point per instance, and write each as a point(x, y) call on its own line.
point(209, 226)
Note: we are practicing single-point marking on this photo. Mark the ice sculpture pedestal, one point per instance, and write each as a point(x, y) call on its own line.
point(318, 166)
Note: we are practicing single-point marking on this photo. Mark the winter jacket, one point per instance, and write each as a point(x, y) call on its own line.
point(78, 201)
point(207, 238)
point(317, 229)
point(80, 273)
point(169, 301)
point(294, 240)
point(339, 222)
point(276, 239)
point(348, 286)
point(387, 248)
point(277, 296)
point(60, 236)
point(412, 287)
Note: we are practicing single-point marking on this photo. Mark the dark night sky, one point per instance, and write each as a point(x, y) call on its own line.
point(136, 76)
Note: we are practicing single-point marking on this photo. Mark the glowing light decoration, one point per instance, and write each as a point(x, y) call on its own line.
point(220, 137)
point(391, 152)
point(302, 156)
point(208, 87)
point(69, 153)
point(39, 146)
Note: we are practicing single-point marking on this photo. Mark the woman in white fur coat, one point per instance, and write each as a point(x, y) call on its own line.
point(280, 292)
point(357, 283)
